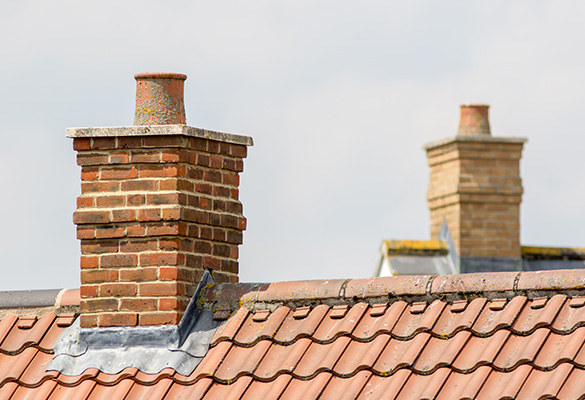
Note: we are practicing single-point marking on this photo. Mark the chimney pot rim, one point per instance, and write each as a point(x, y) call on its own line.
point(475, 105)
point(160, 75)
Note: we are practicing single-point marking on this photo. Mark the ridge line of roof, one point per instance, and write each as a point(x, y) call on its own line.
point(489, 284)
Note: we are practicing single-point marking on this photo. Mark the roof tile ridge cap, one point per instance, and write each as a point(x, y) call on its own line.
point(67, 297)
point(301, 290)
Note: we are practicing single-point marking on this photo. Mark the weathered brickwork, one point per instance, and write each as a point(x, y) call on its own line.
point(475, 186)
point(154, 212)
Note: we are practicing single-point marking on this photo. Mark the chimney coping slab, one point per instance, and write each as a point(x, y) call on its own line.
point(158, 130)
point(476, 138)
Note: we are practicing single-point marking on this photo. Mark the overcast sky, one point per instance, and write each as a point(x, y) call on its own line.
point(339, 97)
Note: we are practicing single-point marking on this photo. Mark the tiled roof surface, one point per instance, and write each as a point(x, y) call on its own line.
point(482, 336)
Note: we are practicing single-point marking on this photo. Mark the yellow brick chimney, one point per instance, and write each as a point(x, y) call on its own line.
point(476, 190)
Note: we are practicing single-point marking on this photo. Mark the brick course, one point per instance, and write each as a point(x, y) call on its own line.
point(154, 211)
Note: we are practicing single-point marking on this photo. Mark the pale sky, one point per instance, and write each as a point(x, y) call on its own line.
point(339, 97)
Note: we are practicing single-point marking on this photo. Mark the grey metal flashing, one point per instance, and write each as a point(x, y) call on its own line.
point(193, 315)
point(28, 298)
point(149, 348)
point(445, 234)
point(422, 265)
point(158, 130)
point(470, 138)
point(489, 264)
point(543, 265)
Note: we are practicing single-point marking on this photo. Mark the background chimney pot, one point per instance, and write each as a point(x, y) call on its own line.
point(474, 120)
point(159, 98)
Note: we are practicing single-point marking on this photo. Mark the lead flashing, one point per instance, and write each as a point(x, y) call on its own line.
point(470, 138)
point(150, 349)
point(159, 130)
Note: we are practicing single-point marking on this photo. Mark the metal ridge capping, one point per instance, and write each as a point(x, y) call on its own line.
point(149, 349)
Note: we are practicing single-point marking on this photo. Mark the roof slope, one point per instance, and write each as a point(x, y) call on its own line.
point(477, 336)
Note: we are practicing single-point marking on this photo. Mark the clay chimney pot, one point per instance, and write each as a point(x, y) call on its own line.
point(159, 98)
point(474, 120)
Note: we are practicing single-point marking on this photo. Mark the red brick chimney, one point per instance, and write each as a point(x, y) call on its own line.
point(158, 205)
point(476, 189)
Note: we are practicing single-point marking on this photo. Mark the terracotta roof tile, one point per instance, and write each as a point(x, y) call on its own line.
point(6, 326)
point(385, 387)
point(424, 387)
point(18, 338)
point(229, 330)
point(12, 367)
point(7, 390)
point(559, 348)
point(36, 370)
point(440, 352)
point(400, 354)
point(241, 361)
point(501, 344)
point(520, 349)
point(571, 316)
point(454, 319)
point(282, 358)
point(193, 391)
point(252, 330)
point(321, 357)
point(118, 391)
point(41, 392)
point(80, 391)
point(371, 326)
point(480, 351)
point(464, 386)
point(361, 355)
point(344, 388)
point(572, 388)
point(150, 379)
point(412, 321)
point(293, 328)
point(532, 317)
point(544, 384)
point(267, 390)
point(306, 389)
point(208, 365)
point(504, 385)
point(495, 317)
point(332, 327)
point(231, 391)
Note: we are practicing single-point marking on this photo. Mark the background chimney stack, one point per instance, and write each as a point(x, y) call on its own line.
point(476, 190)
point(158, 205)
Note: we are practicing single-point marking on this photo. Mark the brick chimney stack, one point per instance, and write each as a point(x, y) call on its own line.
point(158, 205)
point(476, 189)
